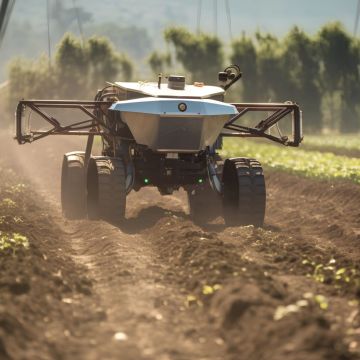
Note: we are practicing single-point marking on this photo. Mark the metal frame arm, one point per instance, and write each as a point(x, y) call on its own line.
point(276, 112)
point(90, 126)
point(96, 126)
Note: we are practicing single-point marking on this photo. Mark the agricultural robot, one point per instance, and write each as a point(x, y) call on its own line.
point(165, 134)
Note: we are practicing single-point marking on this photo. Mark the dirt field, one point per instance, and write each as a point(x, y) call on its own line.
point(160, 287)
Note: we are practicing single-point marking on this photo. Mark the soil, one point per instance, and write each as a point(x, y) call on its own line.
point(159, 286)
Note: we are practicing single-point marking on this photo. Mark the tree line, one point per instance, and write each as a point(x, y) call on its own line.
point(321, 72)
point(76, 72)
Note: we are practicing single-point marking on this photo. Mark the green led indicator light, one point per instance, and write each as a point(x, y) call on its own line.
point(146, 181)
point(200, 181)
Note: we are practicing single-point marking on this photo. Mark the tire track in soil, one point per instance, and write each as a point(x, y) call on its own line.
point(132, 286)
point(144, 270)
point(131, 293)
point(325, 213)
point(254, 287)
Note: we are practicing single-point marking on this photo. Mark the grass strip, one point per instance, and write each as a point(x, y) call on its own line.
point(312, 164)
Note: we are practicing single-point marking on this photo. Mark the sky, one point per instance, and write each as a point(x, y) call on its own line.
point(276, 16)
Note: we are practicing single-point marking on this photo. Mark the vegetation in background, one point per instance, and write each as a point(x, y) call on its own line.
point(339, 54)
point(312, 164)
point(76, 72)
point(27, 41)
point(133, 40)
point(320, 72)
point(159, 63)
point(200, 55)
point(349, 142)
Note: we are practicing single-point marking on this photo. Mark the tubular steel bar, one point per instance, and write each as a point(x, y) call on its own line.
point(96, 126)
point(85, 127)
point(277, 112)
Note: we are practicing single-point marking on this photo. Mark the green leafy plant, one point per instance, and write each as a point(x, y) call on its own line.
point(13, 241)
point(308, 299)
point(329, 273)
point(348, 142)
point(311, 164)
point(8, 203)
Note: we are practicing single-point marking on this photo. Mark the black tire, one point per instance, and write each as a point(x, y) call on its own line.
point(244, 192)
point(204, 203)
point(259, 193)
point(73, 190)
point(106, 186)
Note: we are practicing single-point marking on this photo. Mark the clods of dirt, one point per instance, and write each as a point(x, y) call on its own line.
point(36, 275)
point(258, 316)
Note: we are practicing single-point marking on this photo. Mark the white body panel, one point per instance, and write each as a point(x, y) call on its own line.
point(159, 124)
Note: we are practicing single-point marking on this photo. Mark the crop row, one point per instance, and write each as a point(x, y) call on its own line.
point(314, 164)
point(348, 142)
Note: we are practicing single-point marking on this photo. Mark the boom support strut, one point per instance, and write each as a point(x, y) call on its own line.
point(85, 127)
point(276, 112)
point(95, 124)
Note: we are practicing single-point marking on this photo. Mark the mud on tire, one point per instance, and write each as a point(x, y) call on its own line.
point(244, 195)
point(73, 191)
point(106, 188)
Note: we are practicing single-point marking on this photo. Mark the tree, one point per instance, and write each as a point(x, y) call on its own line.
point(320, 73)
point(350, 109)
point(71, 67)
point(201, 55)
point(301, 67)
point(78, 71)
point(105, 63)
point(340, 60)
point(84, 69)
point(133, 40)
point(244, 53)
point(159, 63)
point(271, 78)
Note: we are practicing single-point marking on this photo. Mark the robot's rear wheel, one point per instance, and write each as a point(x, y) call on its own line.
point(106, 188)
point(244, 192)
point(73, 194)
